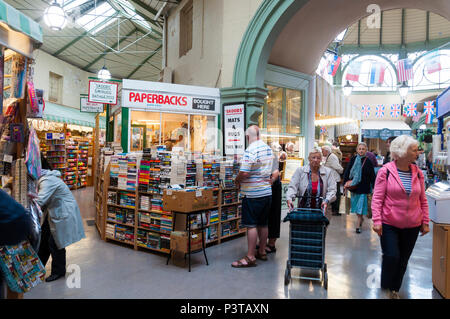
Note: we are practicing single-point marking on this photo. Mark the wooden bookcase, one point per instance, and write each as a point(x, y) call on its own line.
point(102, 188)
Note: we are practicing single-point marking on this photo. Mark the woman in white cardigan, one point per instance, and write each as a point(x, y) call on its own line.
point(312, 180)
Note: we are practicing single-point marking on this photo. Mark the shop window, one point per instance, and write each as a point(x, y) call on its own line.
point(55, 89)
point(293, 111)
point(186, 26)
point(145, 130)
point(175, 130)
point(203, 133)
point(274, 109)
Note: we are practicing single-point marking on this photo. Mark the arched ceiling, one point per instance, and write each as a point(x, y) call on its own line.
point(302, 42)
point(118, 38)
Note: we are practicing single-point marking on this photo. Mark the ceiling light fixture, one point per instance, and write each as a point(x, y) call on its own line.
point(104, 74)
point(55, 17)
point(347, 89)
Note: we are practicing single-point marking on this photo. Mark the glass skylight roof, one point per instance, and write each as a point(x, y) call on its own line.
point(105, 14)
point(97, 18)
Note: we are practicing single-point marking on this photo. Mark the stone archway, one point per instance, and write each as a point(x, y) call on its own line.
point(294, 34)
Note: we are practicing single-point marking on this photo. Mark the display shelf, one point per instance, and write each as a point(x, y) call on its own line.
point(162, 220)
point(120, 241)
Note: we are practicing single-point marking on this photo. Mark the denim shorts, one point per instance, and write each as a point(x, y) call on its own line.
point(255, 211)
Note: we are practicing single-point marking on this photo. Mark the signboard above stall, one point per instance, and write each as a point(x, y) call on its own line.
point(161, 96)
point(234, 129)
point(89, 107)
point(443, 104)
point(103, 92)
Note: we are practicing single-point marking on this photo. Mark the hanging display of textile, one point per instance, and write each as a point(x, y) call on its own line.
point(33, 158)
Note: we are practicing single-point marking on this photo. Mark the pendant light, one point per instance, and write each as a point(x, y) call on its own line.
point(55, 17)
point(104, 74)
point(347, 89)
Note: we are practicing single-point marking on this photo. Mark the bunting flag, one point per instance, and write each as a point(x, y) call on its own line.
point(395, 110)
point(365, 109)
point(376, 74)
point(430, 111)
point(379, 111)
point(323, 130)
point(404, 70)
point(353, 71)
point(416, 117)
point(334, 65)
point(433, 62)
point(410, 109)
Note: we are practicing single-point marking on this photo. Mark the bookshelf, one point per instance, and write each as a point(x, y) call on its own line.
point(148, 226)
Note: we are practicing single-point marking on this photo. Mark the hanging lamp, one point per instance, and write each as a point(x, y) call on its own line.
point(347, 89)
point(55, 17)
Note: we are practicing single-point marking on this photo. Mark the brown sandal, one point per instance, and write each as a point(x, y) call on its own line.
point(250, 263)
point(260, 256)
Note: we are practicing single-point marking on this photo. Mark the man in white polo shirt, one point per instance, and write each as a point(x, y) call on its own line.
point(255, 185)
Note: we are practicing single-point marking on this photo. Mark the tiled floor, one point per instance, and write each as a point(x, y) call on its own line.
point(109, 270)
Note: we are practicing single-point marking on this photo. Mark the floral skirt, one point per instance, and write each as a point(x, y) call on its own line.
point(359, 204)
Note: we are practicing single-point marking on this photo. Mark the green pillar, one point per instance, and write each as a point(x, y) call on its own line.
point(125, 129)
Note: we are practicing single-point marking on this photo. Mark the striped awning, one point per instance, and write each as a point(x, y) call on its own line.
point(63, 114)
point(331, 102)
point(19, 22)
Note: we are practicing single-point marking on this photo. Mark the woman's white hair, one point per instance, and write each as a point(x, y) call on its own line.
point(315, 150)
point(399, 146)
point(326, 148)
point(362, 143)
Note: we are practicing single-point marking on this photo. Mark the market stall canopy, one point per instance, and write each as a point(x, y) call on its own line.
point(20, 22)
point(347, 129)
point(63, 114)
point(332, 106)
point(384, 129)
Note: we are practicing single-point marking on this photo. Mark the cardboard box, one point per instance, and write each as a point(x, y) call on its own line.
point(183, 201)
point(179, 241)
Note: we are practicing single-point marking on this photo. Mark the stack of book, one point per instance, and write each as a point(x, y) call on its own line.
point(114, 171)
point(166, 222)
point(213, 216)
point(144, 175)
point(229, 197)
point(157, 204)
point(144, 220)
point(145, 202)
point(112, 197)
point(132, 173)
point(154, 180)
point(122, 172)
point(127, 199)
point(191, 173)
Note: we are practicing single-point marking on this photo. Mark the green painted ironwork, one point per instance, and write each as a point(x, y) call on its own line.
point(143, 62)
point(109, 50)
point(124, 130)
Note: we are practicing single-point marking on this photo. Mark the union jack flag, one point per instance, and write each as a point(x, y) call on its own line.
point(429, 111)
point(365, 109)
point(323, 130)
point(379, 111)
point(410, 109)
point(395, 110)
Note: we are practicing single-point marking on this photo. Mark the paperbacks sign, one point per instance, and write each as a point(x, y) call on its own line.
point(157, 98)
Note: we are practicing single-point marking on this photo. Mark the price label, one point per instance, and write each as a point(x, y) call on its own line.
point(198, 193)
point(7, 158)
point(169, 192)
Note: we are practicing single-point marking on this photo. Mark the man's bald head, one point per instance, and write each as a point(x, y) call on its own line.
point(252, 133)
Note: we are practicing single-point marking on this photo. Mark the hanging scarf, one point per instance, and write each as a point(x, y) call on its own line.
point(307, 201)
point(356, 171)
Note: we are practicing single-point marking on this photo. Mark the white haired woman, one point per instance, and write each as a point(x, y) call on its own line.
point(399, 210)
point(359, 178)
point(312, 181)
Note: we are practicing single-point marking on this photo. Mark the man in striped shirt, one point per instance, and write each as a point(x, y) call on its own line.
point(254, 180)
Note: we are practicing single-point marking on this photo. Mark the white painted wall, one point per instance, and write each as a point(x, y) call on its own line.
point(75, 80)
point(219, 26)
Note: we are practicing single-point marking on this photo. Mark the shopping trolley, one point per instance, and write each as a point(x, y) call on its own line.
point(307, 232)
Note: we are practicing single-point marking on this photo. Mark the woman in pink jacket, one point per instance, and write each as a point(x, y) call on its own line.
point(399, 211)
